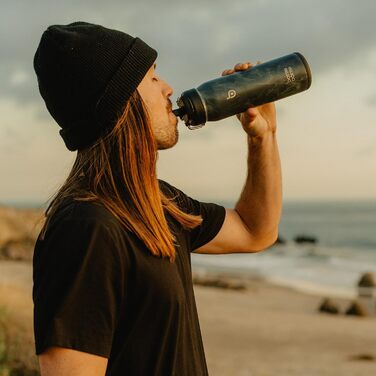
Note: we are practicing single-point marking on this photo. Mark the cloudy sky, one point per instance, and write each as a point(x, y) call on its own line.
point(326, 135)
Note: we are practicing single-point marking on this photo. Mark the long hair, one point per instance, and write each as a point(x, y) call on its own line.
point(120, 174)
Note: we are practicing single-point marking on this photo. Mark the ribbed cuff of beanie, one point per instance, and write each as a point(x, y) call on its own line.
point(115, 95)
point(125, 80)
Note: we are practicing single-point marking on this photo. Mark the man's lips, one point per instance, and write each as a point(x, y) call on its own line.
point(170, 112)
point(169, 107)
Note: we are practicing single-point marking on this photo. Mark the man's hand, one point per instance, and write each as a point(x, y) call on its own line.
point(256, 121)
point(253, 224)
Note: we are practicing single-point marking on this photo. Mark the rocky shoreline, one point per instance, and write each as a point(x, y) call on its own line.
point(19, 229)
point(249, 326)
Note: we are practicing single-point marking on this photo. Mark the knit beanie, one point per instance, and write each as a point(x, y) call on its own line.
point(86, 74)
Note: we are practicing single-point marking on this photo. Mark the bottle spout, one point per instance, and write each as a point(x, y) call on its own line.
point(179, 112)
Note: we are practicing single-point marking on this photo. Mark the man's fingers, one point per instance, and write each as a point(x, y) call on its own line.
point(240, 67)
point(227, 71)
point(243, 66)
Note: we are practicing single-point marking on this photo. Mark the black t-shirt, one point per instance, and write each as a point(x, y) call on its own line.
point(98, 289)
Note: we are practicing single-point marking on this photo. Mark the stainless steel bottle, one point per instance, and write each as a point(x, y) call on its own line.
point(232, 94)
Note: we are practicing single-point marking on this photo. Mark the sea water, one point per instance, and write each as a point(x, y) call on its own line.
point(345, 249)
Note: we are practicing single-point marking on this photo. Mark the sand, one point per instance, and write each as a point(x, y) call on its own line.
point(265, 330)
point(18, 224)
point(275, 331)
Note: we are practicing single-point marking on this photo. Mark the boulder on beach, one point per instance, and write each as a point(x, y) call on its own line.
point(329, 306)
point(19, 229)
point(17, 249)
point(363, 357)
point(219, 282)
point(305, 239)
point(22, 370)
point(367, 286)
point(367, 280)
point(280, 240)
point(356, 309)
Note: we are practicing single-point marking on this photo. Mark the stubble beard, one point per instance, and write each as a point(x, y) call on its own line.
point(168, 141)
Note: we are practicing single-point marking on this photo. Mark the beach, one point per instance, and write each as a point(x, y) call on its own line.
point(269, 330)
point(263, 330)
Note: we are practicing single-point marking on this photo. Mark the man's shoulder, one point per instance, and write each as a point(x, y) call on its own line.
point(84, 219)
point(76, 210)
point(177, 195)
point(166, 188)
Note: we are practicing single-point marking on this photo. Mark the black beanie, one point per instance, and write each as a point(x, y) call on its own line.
point(86, 73)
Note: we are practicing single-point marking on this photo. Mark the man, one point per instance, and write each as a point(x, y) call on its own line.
point(112, 289)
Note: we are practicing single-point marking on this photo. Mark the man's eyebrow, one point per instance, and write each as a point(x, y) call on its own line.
point(155, 66)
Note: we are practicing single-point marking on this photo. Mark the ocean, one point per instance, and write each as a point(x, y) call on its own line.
point(345, 248)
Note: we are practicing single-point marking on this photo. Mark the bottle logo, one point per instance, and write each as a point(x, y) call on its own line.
point(289, 74)
point(231, 94)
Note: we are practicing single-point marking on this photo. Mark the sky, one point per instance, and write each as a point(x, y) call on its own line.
point(326, 135)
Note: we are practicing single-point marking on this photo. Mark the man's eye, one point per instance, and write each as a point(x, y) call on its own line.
point(155, 79)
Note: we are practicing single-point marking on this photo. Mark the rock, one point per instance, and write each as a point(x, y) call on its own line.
point(367, 292)
point(367, 280)
point(363, 357)
point(17, 249)
point(356, 309)
point(305, 239)
point(329, 306)
point(280, 240)
point(19, 229)
point(219, 282)
point(21, 370)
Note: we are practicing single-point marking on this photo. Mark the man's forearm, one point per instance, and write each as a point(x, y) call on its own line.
point(260, 203)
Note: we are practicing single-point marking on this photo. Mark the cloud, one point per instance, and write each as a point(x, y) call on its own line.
point(366, 151)
point(196, 40)
point(370, 100)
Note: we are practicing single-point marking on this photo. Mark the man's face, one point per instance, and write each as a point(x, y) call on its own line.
point(156, 92)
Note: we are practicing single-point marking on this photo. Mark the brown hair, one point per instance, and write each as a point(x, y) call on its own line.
point(120, 171)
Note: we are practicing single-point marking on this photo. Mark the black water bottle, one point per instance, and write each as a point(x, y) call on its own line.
point(232, 94)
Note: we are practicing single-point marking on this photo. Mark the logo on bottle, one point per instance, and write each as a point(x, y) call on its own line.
point(289, 74)
point(231, 94)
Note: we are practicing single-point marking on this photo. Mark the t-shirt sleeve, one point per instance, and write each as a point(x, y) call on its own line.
point(79, 281)
point(213, 216)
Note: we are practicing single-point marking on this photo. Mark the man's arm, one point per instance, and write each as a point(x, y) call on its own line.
point(252, 225)
point(60, 361)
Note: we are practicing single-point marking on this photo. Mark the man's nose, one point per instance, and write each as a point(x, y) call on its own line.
point(168, 89)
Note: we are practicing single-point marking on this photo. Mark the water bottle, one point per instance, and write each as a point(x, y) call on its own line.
point(232, 94)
